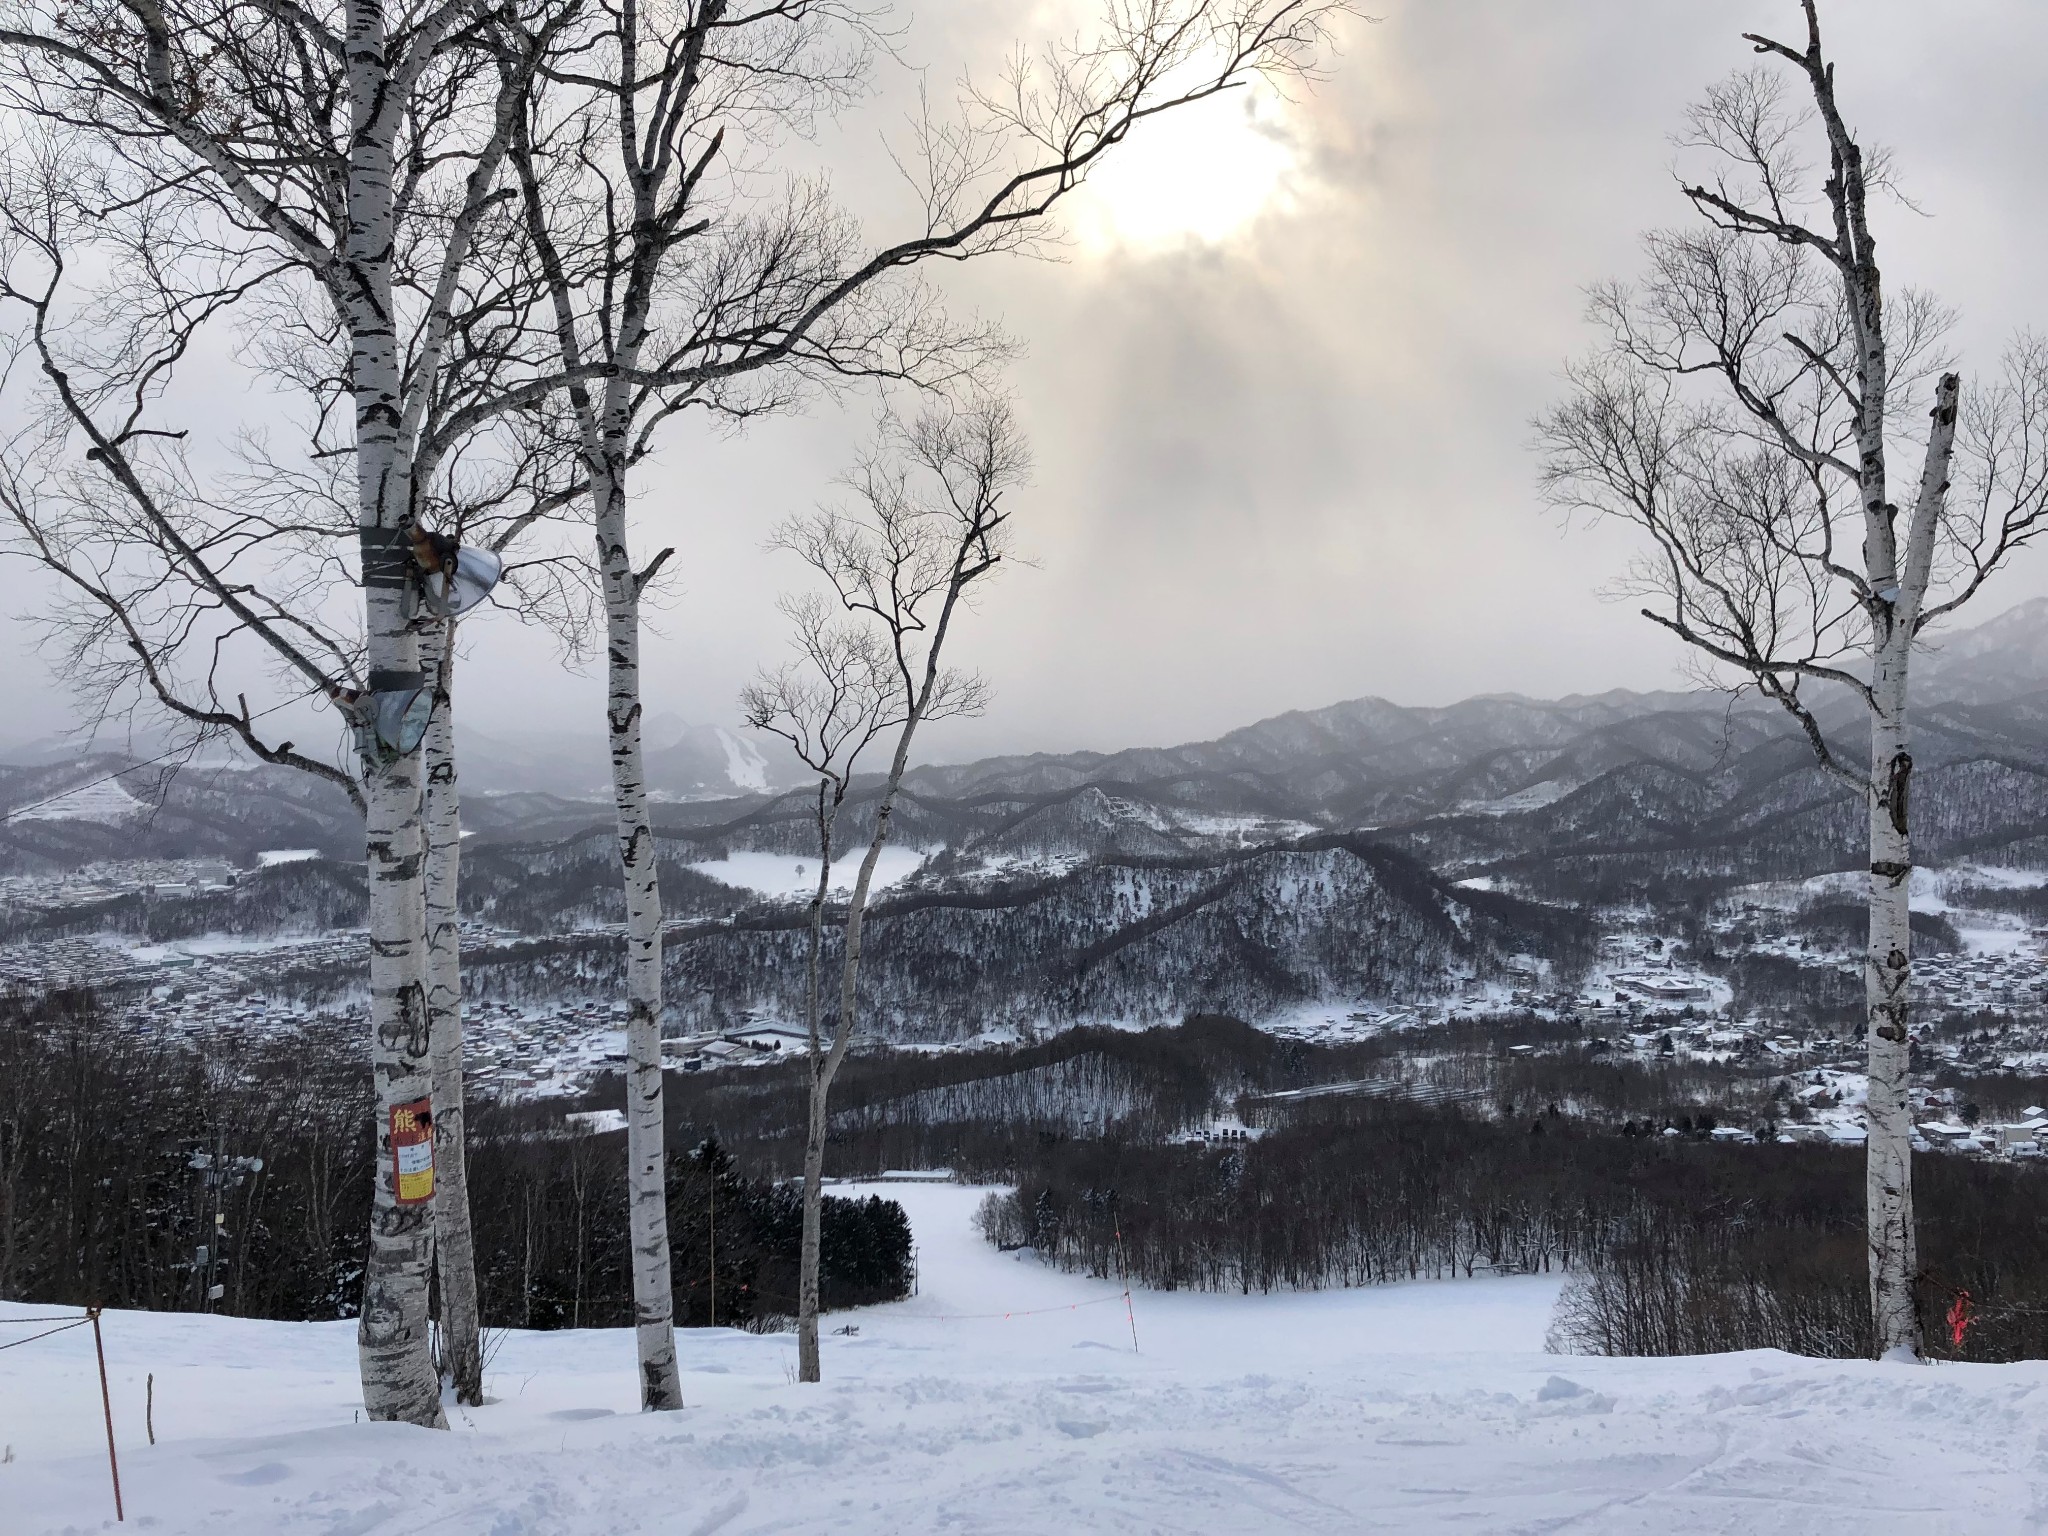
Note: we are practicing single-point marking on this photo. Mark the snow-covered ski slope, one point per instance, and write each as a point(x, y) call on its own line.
point(1416, 1408)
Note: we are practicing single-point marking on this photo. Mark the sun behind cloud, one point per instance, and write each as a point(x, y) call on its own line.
point(1198, 175)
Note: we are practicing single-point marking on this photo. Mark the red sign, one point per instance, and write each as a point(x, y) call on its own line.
point(412, 1150)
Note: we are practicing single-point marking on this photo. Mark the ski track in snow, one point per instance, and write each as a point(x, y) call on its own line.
point(1415, 1408)
point(745, 767)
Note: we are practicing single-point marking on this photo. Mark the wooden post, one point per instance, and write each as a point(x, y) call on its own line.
point(107, 1403)
point(1124, 1264)
point(714, 1246)
point(149, 1408)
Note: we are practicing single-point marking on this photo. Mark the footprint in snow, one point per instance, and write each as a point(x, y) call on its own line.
point(256, 1477)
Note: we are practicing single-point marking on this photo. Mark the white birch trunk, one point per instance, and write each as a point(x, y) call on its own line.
point(1894, 1262)
point(809, 1365)
point(454, 1241)
point(1888, 967)
point(399, 1380)
point(646, 1181)
point(605, 425)
point(646, 1130)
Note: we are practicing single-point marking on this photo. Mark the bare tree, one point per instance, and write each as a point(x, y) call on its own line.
point(930, 523)
point(162, 569)
point(559, 605)
point(612, 168)
point(679, 282)
point(491, 506)
point(1742, 413)
point(317, 128)
point(829, 705)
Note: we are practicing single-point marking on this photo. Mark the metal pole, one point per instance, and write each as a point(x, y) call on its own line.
point(714, 1246)
point(107, 1403)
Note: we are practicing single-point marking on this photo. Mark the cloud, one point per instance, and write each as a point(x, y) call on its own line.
point(1283, 456)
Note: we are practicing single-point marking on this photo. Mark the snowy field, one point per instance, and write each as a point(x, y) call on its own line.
point(1982, 933)
point(105, 801)
point(1416, 1408)
point(780, 874)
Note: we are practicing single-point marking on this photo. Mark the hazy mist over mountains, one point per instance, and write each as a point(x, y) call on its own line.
point(1358, 763)
point(2002, 659)
point(979, 701)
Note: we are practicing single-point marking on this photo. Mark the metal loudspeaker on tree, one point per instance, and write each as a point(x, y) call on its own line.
point(390, 716)
point(400, 711)
point(434, 571)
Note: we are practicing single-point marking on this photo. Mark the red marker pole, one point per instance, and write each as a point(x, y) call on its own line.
point(107, 1403)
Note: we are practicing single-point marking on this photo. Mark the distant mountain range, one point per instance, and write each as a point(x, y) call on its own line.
point(1363, 850)
point(1487, 774)
point(1589, 797)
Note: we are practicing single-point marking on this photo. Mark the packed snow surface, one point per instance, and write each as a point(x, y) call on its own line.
point(1006, 1398)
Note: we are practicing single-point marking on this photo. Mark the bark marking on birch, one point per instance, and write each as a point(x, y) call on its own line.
point(1896, 789)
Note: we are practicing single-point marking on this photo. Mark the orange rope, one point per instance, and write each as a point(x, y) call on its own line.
point(78, 1322)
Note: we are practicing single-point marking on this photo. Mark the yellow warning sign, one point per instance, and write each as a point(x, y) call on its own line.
point(412, 1150)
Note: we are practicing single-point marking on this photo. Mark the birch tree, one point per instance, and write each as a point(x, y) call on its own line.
point(1744, 412)
point(829, 705)
point(682, 277)
point(360, 146)
point(141, 580)
point(454, 1244)
point(929, 523)
point(497, 507)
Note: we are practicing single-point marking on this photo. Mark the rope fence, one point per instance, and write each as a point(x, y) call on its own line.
point(76, 1322)
point(65, 1323)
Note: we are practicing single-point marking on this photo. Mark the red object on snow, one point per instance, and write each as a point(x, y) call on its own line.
point(1960, 1315)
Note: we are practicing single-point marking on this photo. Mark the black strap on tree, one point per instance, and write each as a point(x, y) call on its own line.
point(387, 556)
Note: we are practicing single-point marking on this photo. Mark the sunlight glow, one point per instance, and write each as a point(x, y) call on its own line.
point(1199, 175)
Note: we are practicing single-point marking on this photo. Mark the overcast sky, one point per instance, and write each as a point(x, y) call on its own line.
point(1279, 387)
